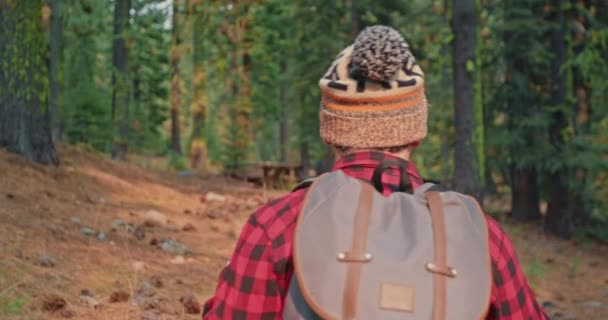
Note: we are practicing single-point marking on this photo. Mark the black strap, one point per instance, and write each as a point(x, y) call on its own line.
point(437, 186)
point(404, 181)
point(304, 184)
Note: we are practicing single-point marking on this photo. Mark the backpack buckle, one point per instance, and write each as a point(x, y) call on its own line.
point(444, 270)
point(354, 257)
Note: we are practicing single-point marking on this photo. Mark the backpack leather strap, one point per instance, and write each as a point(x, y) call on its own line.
point(357, 253)
point(439, 267)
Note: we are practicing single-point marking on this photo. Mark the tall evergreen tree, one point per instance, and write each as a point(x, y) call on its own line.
point(464, 24)
point(175, 80)
point(54, 64)
point(24, 118)
point(559, 210)
point(121, 95)
point(198, 147)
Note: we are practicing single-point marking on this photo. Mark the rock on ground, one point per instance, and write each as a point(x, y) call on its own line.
point(53, 303)
point(191, 305)
point(119, 296)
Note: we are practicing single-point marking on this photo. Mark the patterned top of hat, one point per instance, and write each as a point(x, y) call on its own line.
point(373, 93)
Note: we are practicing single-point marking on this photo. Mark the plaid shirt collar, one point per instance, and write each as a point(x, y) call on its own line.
point(362, 164)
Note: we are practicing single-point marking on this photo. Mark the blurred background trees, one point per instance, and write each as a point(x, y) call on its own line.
point(219, 85)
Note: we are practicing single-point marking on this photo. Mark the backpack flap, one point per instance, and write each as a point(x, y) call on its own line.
point(360, 255)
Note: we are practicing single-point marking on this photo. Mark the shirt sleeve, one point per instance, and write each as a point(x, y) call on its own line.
point(248, 287)
point(512, 297)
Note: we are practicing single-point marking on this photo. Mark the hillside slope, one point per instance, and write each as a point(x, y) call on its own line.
point(99, 239)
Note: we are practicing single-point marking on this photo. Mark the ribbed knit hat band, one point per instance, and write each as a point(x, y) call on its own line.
point(373, 93)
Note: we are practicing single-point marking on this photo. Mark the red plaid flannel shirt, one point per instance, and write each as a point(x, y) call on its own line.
point(254, 283)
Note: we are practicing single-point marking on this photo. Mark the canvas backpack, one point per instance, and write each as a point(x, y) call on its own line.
point(360, 255)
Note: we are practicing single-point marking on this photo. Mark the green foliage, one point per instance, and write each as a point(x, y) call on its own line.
point(27, 52)
point(86, 96)
point(11, 306)
point(151, 75)
point(536, 269)
point(261, 61)
point(177, 162)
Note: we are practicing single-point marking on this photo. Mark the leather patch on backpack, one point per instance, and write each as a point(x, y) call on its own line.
point(397, 297)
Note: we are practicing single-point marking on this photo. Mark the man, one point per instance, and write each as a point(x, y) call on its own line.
point(373, 109)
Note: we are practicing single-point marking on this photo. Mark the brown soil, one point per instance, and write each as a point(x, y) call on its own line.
point(49, 269)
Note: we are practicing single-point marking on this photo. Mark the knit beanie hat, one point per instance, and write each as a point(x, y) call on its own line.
point(373, 94)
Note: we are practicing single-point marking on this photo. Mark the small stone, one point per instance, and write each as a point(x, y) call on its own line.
point(102, 200)
point(129, 228)
point(172, 246)
point(155, 303)
point(187, 211)
point(213, 215)
point(86, 292)
point(140, 232)
point(53, 303)
point(146, 290)
point(150, 315)
point(212, 196)
point(191, 305)
point(593, 304)
point(155, 218)
point(66, 313)
point(178, 260)
point(88, 232)
point(138, 265)
point(119, 296)
point(156, 281)
point(185, 173)
point(89, 302)
point(188, 227)
point(10, 196)
point(46, 261)
point(117, 224)
point(101, 236)
point(153, 242)
point(75, 219)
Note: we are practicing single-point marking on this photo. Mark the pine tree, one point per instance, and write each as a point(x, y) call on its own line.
point(466, 175)
point(24, 116)
point(120, 80)
point(176, 147)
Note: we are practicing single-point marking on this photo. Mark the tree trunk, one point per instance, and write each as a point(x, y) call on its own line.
point(583, 108)
point(283, 123)
point(304, 161)
point(464, 24)
point(559, 211)
point(175, 88)
point(478, 136)
point(24, 117)
point(445, 83)
point(55, 57)
point(525, 194)
point(198, 149)
point(120, 82)
point(355, 20)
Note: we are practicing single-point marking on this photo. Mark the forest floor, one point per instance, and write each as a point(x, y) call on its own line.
point(100, 239)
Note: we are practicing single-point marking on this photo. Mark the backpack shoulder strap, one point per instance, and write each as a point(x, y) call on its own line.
point(303, 184)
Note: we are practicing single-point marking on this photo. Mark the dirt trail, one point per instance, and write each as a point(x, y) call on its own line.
point(76, 238)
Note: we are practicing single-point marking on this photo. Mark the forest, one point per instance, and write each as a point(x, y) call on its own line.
point(133, 134)
point(517, 89)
